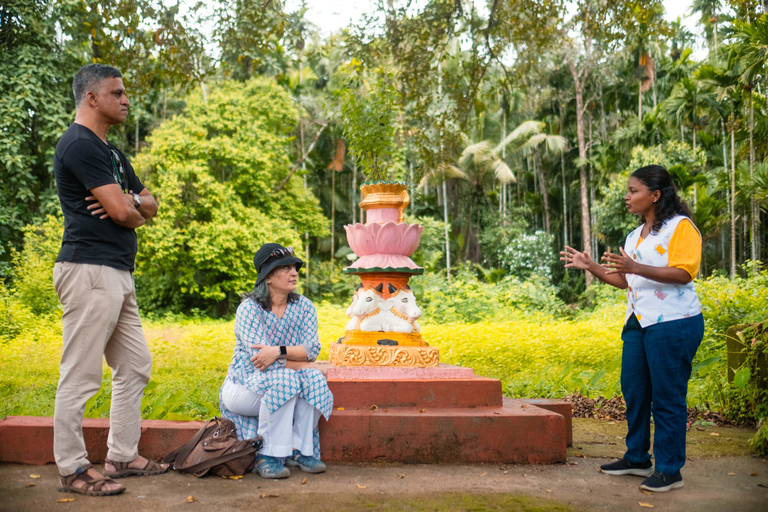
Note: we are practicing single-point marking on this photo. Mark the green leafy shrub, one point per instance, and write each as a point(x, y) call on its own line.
point(526, 255)
point(220, 171)
point(336, 287)
point(431, 245)
point(33, 266)
point(759, 443)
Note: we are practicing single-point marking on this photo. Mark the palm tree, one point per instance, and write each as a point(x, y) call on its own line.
point(728, 97)
point(747, 60)
point(530, 138)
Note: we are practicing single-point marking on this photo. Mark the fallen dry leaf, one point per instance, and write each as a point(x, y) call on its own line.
point(646, 492)
point(360, 486)
point(647, 505)
point(549, 490)
point(34, 476)
point(763, 486)
point(374, 407)
point(754, 474)
point(611, 422)
point(339, 408)
point(422, 410)
point(270, 495)
point(237, 477)
point(65, 500)
point(484, 474)
point(714, 434)
point(29, 484)
point(190, 499)
point(304, 482)
point(523, 406)
point(496, 412)
point(731, 474)
point(400, 476)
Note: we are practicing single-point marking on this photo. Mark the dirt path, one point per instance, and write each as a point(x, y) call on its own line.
point(719, 476)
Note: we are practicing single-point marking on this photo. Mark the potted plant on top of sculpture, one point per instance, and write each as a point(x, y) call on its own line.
point(382, 330)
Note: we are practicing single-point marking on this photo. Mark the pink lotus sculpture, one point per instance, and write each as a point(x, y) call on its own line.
point(386, 245)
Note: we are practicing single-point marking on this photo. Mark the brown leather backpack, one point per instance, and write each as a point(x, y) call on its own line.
point(215, 449)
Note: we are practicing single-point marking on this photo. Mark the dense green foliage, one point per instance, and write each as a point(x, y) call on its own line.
point(215, 169)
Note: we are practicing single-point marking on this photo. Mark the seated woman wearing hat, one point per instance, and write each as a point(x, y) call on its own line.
point(272, 389)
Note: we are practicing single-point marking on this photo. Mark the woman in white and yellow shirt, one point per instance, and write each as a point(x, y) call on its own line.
point(663, 327)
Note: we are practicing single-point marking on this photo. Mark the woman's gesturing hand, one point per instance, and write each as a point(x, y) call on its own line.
point(266, 355)
point(619, 263)
point(575, 259)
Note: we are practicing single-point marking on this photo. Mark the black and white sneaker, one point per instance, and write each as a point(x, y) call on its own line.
point(661, 482)
point(624, 467)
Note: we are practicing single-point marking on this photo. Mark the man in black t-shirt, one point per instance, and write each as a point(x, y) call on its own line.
point(103, 202)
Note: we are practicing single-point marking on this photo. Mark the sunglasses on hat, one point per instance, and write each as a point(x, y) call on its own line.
point(279, 253)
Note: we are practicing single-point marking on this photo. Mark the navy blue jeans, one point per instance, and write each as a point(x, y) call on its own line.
point(655, 368)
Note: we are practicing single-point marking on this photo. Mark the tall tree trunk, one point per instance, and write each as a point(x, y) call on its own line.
point(752, 202)
point(562, 173)
point(586, 227)
point(354, 187)
point(333, 217)
point(733, 202)
point(593, 241)
point(412, 202)
point(306, 233)
point(695, 185)
point(445, 219)
point(544, 195)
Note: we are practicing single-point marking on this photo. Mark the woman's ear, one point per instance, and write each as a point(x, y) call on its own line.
point(656, 195)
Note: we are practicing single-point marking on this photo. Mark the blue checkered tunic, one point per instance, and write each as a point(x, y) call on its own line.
point(277, 385)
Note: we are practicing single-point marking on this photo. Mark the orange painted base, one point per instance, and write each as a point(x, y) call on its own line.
point(403, 339)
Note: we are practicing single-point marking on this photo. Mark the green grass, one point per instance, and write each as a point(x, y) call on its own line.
point(533, 356)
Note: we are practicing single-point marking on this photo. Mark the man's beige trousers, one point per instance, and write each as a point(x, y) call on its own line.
point(100, 319)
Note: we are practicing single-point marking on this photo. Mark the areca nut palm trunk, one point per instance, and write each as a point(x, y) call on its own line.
point(752, 202)
point(579, 79)
point(733, 201)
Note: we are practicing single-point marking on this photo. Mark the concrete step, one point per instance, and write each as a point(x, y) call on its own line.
point(516, 432)
point(419, 393)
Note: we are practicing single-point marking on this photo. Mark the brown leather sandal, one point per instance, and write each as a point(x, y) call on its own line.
point(93, 486)
point(122, 469)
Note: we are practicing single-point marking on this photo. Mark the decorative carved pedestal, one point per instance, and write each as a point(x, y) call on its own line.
point(383, 328)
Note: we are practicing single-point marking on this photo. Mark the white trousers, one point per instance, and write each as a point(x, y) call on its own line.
point(291, 426)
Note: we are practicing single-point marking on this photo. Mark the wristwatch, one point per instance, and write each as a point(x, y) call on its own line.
point(283, 352)
point(137, 198)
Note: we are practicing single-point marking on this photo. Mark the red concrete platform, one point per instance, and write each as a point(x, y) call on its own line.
point(561, 407)
point(514, 433)
point(471, 392)
point(29, 439)
point(408, 419)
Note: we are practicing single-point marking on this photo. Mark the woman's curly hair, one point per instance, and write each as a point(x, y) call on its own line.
point(655, 177)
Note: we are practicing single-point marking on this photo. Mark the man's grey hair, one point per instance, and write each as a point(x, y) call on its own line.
point(88, 79)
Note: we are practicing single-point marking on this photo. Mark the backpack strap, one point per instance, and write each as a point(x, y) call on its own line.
point(179, 455)
point(208, 464)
